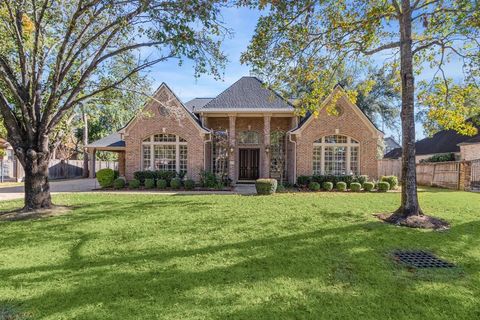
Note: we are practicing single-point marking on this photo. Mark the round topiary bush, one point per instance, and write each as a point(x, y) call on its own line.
point(314, 186)
point(383, 186)
point(134, 184)
point(266, 186)
point(368, 186)
point(119, 183)
point(105, 177)
point(327, 186)
point(189, 184)
point(341, 186)
point(392, 181)
point(161, 184)
point(355, 187)
point(149, 183)
point(176, 183)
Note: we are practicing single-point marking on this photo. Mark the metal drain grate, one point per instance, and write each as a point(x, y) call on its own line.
point(421, 259)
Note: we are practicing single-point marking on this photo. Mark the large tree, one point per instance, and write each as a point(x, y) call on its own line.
point(55, 55)
point(308, 40)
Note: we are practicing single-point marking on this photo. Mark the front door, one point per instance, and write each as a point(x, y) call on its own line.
point(249, 163)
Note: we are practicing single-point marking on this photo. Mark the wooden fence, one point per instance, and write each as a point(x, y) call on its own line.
point(438, 174)
point(65, 169)
point(58, 169)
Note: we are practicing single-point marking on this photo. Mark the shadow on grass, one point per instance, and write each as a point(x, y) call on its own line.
point(332, 266)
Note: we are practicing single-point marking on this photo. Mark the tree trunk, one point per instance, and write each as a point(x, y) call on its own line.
point(85, 142)
point(409, 205)
point(37, 188)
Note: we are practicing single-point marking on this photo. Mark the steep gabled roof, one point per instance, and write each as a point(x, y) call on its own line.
point(248, 93)
point(197, 103)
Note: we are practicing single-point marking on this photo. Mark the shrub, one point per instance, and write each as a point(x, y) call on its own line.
point(327, 186)
point(176, 183)
point(355, 186)
point(383, 186)
point(134, 183)
point(149, 183)
point(219, 186)
point(314, 186)
point(361, 179)
point(392, 181)
point(368, 186)
point(341, 186)
point(165, 175)
point(440, 158)
point(266, 186)
point(105, 177)
point(303, 181)
point(332, 178)
point(189, 184)
point(162, 184)
point(119, 183)
point(208, 179)
point(280, 187)
point(142, 175)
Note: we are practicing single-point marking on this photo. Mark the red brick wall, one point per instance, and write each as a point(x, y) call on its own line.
point(348, 123)
point(169, 117)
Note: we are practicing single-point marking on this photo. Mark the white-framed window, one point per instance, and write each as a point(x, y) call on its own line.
point(166, 152)
point(336, 154)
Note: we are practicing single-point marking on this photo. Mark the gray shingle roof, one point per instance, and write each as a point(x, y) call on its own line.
point(197, 103)
point(248, 93)
point(111, 141)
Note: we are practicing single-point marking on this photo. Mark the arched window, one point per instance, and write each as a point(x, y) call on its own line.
point(336, 154)
point(166, 152)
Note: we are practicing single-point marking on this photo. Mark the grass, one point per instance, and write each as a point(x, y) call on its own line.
point(289, 256)
point(9, 184)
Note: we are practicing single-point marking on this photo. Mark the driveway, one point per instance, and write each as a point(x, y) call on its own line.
point(58, 186)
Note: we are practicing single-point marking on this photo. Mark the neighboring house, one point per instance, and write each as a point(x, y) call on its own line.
point(444, 142)
point(390, 144)
point(11, 168)
point(170, 135)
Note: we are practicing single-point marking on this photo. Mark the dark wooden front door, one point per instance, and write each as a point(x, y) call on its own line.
point(249, 162)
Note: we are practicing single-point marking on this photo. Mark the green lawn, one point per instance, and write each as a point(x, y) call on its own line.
point(289, 256)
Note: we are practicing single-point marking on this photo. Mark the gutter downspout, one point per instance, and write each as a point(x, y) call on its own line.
point(294, 157)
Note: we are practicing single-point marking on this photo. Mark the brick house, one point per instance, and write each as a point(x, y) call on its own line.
point(261, 131)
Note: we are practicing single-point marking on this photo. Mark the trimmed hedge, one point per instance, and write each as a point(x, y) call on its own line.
point(176, 183)
point(149, 183)
point(189, 184)
point(119, 183)
point(368, 186)
point(383, 186)
point(162, 184)
point(341, 186)
point(333, 179)
point(134, 184)
point(355, 187)
point(327, 186)
point(105, 177)
point(266, 186)
point(155, 175)
point(314, 186)
point(361, 179)
point(303, 181)
point(392, 181)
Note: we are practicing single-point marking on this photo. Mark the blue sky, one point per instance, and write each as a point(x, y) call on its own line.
point(181, 78)
point(242, 21)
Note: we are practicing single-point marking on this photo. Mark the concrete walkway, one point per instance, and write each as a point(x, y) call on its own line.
point(59, 186)
point(86, 185)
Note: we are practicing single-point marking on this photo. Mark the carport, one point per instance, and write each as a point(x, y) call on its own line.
point(111, 143)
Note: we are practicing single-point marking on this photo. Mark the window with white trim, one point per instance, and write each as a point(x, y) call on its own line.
point(336, 154)
point(166, 152)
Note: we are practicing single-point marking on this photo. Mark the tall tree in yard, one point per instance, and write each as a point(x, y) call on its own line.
point(309, 41)
point(55, 55)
